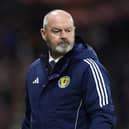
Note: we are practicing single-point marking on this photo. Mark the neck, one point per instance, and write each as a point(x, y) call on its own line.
point(55, 55)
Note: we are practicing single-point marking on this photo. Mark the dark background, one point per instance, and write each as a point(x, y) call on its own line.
point(102, 23)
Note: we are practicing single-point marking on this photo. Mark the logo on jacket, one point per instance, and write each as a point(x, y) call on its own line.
point(64, 81)
point(36, 81)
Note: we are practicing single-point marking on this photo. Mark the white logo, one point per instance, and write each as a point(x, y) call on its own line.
point(36, 81)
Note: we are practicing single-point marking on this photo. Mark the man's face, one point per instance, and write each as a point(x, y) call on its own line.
point(59, 35)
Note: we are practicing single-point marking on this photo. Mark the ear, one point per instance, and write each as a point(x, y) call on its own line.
point(43, 33)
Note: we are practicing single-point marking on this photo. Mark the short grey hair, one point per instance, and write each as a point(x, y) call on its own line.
point(45, 20)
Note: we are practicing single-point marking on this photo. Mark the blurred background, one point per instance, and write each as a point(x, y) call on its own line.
point(104, 24)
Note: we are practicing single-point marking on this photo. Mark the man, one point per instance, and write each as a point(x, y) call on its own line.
point(75, 93)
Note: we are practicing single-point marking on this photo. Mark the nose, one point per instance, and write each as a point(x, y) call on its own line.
point(63, 34)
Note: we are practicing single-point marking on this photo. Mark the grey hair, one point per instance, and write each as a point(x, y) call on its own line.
point(45, 20)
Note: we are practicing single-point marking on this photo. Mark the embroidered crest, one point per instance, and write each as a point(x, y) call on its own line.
point(64, 81)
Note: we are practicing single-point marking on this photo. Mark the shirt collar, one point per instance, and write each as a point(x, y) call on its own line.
point(51, 58)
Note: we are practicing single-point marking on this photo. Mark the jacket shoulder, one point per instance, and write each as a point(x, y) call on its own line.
point(34, 69)
point(85, 61)
point(91, 63)
point(35, 63)
point(33, 66)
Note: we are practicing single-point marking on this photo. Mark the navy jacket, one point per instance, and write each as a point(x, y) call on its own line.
point(75, 95)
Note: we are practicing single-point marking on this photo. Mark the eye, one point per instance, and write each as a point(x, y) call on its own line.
point(68, 30)
point(56, 31)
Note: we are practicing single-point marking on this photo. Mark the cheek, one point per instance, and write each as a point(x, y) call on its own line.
point(72, 34)
point(71, 37)
point(53, 38)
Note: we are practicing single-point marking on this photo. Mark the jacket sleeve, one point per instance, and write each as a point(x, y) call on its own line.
point(97, 96)
point(27, 115)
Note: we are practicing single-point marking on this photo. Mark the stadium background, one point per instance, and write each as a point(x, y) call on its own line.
point(103, 23)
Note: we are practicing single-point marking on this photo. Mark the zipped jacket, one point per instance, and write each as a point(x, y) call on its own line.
point(74, 95)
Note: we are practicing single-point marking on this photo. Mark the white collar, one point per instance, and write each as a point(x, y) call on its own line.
point(51, 58)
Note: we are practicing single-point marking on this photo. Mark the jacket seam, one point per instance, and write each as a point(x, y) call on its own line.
point(77, 115)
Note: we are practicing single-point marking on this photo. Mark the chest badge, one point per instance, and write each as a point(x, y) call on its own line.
point(64, 81)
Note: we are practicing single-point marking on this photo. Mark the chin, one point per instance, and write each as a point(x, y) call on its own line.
point(63, 51)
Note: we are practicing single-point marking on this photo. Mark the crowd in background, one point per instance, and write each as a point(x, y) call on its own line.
point(103, 24)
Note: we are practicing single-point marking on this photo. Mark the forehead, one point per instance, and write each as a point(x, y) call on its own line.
point(60, 20)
